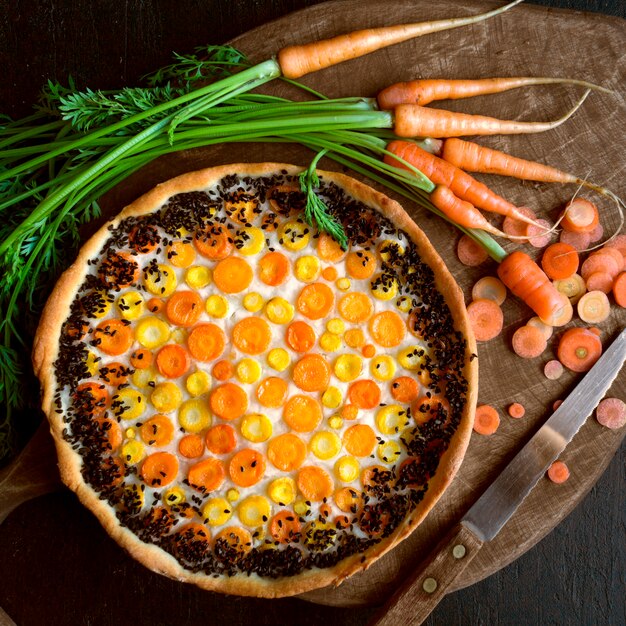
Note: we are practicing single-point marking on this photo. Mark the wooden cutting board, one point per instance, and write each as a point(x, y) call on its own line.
point(529, 40)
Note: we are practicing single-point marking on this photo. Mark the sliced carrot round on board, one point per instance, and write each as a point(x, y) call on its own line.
point(207, 475)
point(311, 373)
point(184, 308)
point(529, 342)
point(232, 275)
point(387, 329)
point(580, 241)
point(247, 467)
point(172, 361)
point(594, 307)
point(600, 262)
point(286, 452)
point(579, 349)
point(469, 252)
point(159, 469)
point(315, 301)
point(252, 335)
point(580, 216)
point(486, 319)
point(302, 413)
point(516, 410)
point(613, 252)
point(206, 342)
point(600, 281)
point(538, 233)
point(558, 472)
point(489, 288)
point(300, 336)
point(274, 268)
point(364, 394)
point(228, 401)
point(315, 483)
point(559, 261)
point(486, 420)
point(611, 412)
point(553, 369)
point(221, 439)
point(619, 289)
point(517, 228)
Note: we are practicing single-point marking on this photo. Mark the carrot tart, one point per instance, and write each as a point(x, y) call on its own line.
point(243, 403)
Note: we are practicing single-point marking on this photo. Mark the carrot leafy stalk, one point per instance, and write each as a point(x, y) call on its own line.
point(316, 211)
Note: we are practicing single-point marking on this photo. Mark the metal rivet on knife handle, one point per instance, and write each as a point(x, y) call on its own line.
point(429, 585)
point(459, 551)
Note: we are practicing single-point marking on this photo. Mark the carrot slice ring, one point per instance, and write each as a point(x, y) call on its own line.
point(228, 401)
point(113, 337)
point(300, 336)
point(274, 268)
point(207, 475)
point(312, 373)
point(184, 308)
point(252, 335)
point(214, 242)
point(221, 439)
point(302, 413)
point(159, 469)
point(247, 467)
point(579, 349)
point(272, 392)
point(364, 393)
point(206, 342)
point(387, 329)
point(286, 452)
point(232, 275)
point(315, 301)
point(314, 483)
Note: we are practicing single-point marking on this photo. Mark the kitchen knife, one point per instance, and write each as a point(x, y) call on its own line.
point(427, 585)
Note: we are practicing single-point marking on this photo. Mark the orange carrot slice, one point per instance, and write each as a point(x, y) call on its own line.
point(141, 359)
point(113, 337)
point(619, 289)
point(594, 307)
point(516, 410)
point(599, 262)
point(157, 431)
point(286, 452)
point(348, 500)
point(114, 373)
point(360, 264)
point(580, 241)
point(223, 370)
point(191, 446)
point(315, 301)
point(311, 373)
point(364, 394)
point(469, 252)
point(529, 342)
point(489, 288)
point(486, 319)
point(330, 274)
point(252, 335)
point(214, 242)
point(486, 420)
point(611, 412)
point(613, 252)
point(302, 413)
point(274, 268)
point(558, 472)
point(518, 228)
point(172, 361)
point(559, 261)
point(314, 483)
point(228, 401)
point(206, 342)
point(404, 389)
point(300, 336)
point(329, 250)
point(429, 406)
point(91, 399)
point(553, 369)
point(221, 439)
point(184, 308)
point(538, 235)
point(580, 216)
point(285, 527)
point(232, 275)
point(181, 253)
point(579, 349)
point(355, 307)
point(272, 392)
point(359, 440)
point(247, 467)
point(159, 469)
point(387, 329)
point(207, 475)
point(118, 269)
point(600, 281)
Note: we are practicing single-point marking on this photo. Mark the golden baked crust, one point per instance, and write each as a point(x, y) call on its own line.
point(46, 353)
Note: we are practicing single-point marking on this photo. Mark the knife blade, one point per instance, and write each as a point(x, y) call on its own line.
point(427, 585)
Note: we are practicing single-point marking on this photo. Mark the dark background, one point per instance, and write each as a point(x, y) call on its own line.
point(109, 44)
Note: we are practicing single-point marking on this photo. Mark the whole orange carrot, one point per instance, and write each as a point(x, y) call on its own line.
point(461, 184)
point(296, 61)
point(425, 91)
point(413, 120)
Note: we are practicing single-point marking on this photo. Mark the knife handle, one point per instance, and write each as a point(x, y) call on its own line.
point(426, 586)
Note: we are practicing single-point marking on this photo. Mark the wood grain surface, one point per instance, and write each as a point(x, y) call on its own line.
point(588, 142)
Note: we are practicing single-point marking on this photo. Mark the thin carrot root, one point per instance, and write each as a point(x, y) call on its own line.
point(425, 91)
point(297, 61)
point(413, 120)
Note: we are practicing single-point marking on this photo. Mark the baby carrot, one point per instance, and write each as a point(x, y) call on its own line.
point(298, 60)
point(413, 120)
point(460, 183)
point(425, 91)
